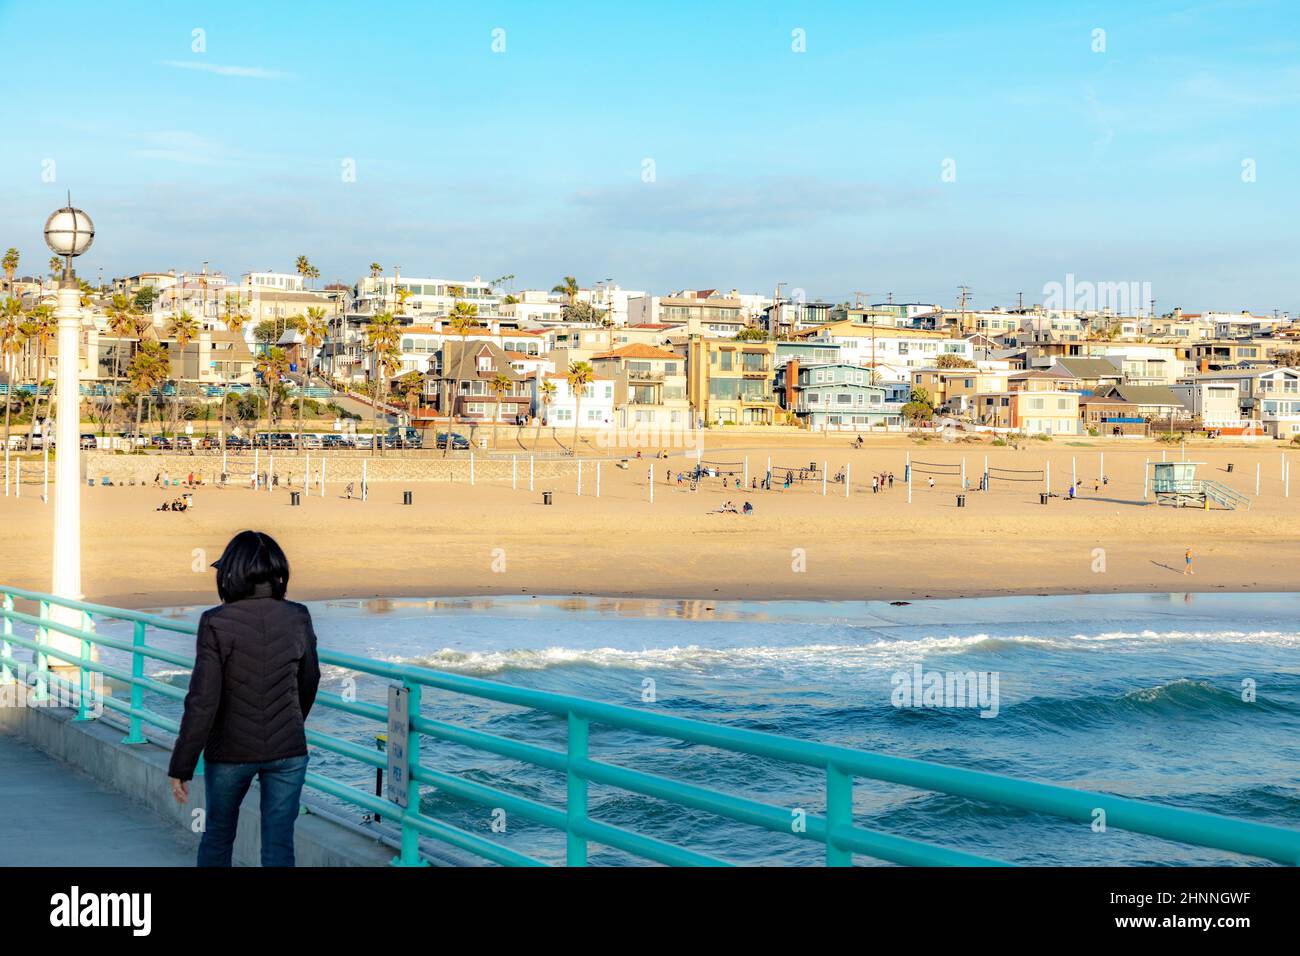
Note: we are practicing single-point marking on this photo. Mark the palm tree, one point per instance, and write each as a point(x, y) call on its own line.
point(501, 386)
point(411, 384)
point(40, 327)
point(567, 288)
point(303, 267)
point(402, 295)
point(236, 317)
point(376, 270)
point(11, 343)
point(579, 378)
point(184, 328)
point(272, 366)
point(10, 265)
point(382, 336)
point(121, 322)
point(548, 390)
point(56, 266)
point(314, 328)
point(463, 321)
point(149, 368)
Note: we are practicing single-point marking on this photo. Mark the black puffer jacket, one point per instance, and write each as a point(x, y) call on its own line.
point(254, 681)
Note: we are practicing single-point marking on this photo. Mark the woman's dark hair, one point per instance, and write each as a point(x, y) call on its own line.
point(251, 558)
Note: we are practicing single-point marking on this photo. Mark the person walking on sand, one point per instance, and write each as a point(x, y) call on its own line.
point(254, 682)
point(1187, 562)
point(931, 480)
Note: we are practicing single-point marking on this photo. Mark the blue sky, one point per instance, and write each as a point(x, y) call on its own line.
point(820, 169)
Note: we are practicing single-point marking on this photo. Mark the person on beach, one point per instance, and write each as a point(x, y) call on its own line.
point(254, 682)
point(931, 480)
point(1187, 562)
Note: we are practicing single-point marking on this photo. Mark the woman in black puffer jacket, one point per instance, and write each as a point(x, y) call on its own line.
point(254, 682)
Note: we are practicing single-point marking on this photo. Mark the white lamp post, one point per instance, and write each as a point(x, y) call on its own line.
point(68, 232)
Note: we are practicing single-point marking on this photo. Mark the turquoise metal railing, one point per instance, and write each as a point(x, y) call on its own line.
point(835, 829)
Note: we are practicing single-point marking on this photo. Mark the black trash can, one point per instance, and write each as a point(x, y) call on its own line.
point(406, 497)
point(1042, 497)
point(1229, 467)
point(295, 498)
point(961, 501)
point(546, 497)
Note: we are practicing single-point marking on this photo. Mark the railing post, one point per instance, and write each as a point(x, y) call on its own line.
point(839, 813)
point(411, 836)
point(576, 804)
point(83, 672)
point(42, 688)
point(135, 734)
point(6, 649)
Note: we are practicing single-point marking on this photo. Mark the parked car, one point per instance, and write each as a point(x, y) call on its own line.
point(183, 441)
point(160, 441)
point(17, 442)
point(403, 438)
point(88, 441)
point(335, 441)
point(363, 441)
point(458, 442)
point(312, 441)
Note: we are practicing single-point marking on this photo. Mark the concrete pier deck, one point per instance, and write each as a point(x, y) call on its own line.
point(53, 814)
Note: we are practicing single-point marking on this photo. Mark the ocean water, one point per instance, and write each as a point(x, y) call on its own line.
point(1141, 695)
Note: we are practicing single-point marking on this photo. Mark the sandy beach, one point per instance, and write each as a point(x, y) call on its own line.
point(459, 539)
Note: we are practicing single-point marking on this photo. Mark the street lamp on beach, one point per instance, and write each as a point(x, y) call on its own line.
point(69, 232)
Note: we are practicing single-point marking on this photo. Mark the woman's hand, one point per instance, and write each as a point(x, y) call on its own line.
point(180, 790)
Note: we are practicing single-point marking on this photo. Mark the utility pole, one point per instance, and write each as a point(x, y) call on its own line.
point(965, 292)
point(1020, 302)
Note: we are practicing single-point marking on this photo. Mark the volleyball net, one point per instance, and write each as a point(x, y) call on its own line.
point(936, 468)
point(795, 474)
point(1016, 474)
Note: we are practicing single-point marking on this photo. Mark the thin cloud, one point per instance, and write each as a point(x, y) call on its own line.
point(721, 207)
point(179, 146)
point(248, 72)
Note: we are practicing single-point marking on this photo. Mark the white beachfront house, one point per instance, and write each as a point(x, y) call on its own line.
point(596, 410)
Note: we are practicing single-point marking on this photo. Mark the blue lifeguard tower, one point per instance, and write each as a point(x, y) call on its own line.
point(1175, 483)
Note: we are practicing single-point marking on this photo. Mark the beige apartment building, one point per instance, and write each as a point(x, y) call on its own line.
point(732, 383)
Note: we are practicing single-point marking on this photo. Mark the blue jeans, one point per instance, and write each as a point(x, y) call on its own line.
point(226, 784)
